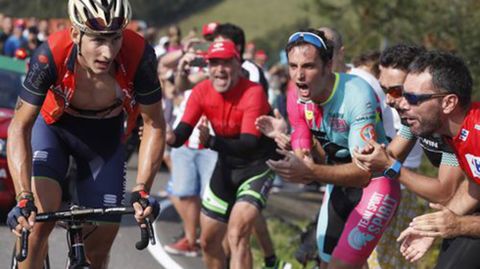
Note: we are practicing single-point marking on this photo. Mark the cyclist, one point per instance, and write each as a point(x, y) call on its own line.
point(75, 93)
point(342, 112)
point(241, 179)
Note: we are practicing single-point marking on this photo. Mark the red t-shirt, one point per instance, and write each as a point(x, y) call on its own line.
point(231, 113)
point(466, 143)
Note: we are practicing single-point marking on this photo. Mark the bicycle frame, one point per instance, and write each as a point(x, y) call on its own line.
point(77, 258)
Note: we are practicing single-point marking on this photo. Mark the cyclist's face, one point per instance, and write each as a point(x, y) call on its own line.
point(98, 52)
point(308, 72)
point(390, 77)
point(224, 73)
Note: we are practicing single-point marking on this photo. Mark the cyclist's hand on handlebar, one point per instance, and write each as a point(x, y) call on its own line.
point(22, 216)
point(144, 205)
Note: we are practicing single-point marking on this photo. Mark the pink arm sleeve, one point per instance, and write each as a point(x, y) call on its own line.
point(301, 135)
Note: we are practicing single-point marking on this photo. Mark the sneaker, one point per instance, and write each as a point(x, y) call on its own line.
point(182, 247)
point(279, 265)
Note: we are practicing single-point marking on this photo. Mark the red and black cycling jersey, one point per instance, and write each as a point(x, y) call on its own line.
point(465, 143)
point(232, 115)
point(50, 80)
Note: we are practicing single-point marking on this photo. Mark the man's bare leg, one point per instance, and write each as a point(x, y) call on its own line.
point(211, 237)
point(242, 220)
point(99, 243)
point(189, 210)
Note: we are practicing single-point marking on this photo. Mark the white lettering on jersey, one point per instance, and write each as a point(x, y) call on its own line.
point(474, 163)
point(464, 134)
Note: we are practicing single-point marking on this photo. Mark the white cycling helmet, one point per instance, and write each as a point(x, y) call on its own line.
point(99, 16)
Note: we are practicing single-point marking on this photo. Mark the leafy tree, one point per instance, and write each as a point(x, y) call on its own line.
point(437, 24)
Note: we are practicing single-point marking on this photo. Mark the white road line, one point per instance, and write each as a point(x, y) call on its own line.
point(157, 250)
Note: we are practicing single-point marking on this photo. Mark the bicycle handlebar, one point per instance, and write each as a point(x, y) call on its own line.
point(81, 215)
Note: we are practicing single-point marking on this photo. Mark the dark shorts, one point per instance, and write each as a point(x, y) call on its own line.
point(97, 148)
point(230, 185)
point(459, 252)
point(337, 205)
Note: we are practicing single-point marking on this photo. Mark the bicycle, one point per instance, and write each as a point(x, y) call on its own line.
point(73, 221)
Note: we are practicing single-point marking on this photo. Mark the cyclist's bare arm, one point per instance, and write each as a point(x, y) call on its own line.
point(151, 145)
point(19, 150)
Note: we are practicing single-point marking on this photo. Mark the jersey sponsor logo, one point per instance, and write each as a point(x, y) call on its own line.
point(366, 117)
point(109, 200)
point(40, 156)
point(368, 132)
point(477, 127)
point(379, 211)
point(338, 125)
point(464, 134)
point(37, 74)
point(308, 114)
point(357, 240)
point(429, 143)
point(474, 163)
point(43, 59)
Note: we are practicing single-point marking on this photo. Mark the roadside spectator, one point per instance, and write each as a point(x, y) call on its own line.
point(261, 58)
point(43, 30)
point(208, 30)
point(174, 38)
point(32, 40)
point(5, 32)
point(368, 61)
point(249, 51)
point(16, 40)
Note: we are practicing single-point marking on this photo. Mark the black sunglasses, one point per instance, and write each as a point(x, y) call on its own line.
point(415, 99)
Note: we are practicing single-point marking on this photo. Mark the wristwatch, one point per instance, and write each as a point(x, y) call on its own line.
point(393, 171)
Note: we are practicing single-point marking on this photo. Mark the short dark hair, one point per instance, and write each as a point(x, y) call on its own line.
point(232, 32)
point(369, 59)
point(400, 56)
point(449, 73)
point(325, 54)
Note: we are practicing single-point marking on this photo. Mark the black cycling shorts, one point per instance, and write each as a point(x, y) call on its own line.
point(228, 185)
point(459, 252)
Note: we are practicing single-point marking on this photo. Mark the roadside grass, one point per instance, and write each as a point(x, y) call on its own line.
point(286, 239)
point(255, 17)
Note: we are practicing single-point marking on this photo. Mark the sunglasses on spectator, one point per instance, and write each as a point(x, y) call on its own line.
point(394, 91)
point(415, 99)
point(308, 37)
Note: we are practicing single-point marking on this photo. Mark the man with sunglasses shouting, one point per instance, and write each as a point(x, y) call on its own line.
point(342, 112)
point(436, 99)
point(81, 85)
